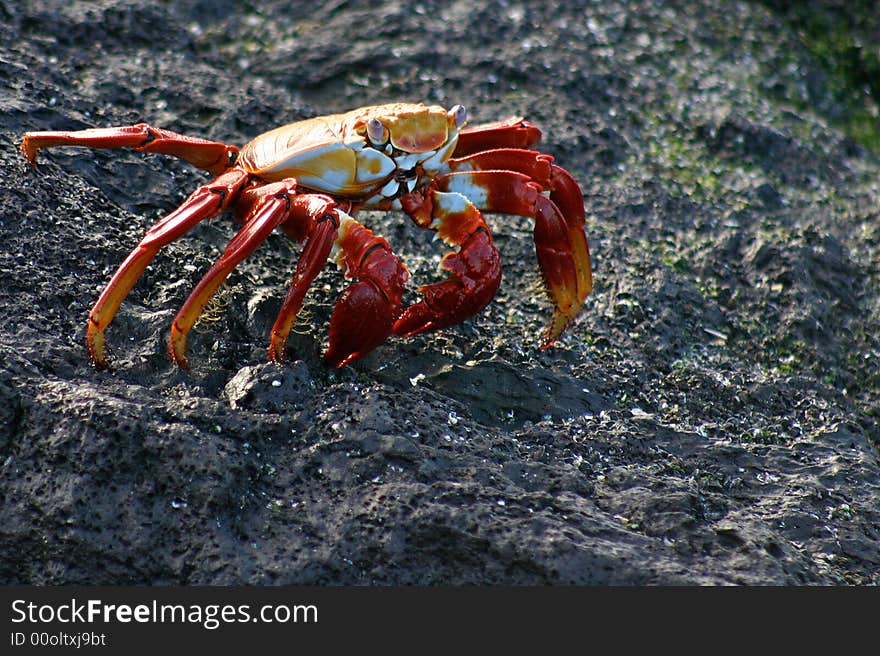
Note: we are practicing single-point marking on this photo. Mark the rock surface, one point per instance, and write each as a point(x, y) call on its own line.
point(710, 418)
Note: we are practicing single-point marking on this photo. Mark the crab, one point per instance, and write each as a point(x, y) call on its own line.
point(311, 177)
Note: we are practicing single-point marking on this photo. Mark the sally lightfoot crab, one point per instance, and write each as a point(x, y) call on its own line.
point(310, 178)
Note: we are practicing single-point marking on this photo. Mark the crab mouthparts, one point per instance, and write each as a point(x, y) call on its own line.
point(406, 177)
point(401, 184)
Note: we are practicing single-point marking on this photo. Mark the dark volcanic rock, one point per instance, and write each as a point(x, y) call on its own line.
point(710, 418)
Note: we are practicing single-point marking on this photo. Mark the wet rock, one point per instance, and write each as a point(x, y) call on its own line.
point(496, 392)
point(709, 418)
point(270, 387)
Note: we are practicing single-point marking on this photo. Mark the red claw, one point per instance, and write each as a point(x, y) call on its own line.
point(361, 320)
point(474, 271)
point(560, 242)
point(365, 312)
point(473, 283)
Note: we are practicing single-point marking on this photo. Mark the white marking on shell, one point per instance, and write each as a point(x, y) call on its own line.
point(325, 168)
point(354, 142)
point(373, 166)
point(331, 181)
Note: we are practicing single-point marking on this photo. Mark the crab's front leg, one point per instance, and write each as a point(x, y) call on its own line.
point(513, 132)
point(474, 271)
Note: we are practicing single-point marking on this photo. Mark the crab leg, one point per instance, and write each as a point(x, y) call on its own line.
point(212, 156)
point(534, 164)
point(205, 202)
point(269, 209)
point(511, 133)
point(560, 243)
point(564, 191)
point(318, 218)
point(475, 270)
point(366, 311)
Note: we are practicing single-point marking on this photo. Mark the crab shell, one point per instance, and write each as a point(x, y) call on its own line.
point(380, 151)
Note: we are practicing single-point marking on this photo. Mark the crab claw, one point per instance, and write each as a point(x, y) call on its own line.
point(475, 270)
point(474, 280)
point(361, 320)
point(560, 242)
point(564, 258)
point(365, 312)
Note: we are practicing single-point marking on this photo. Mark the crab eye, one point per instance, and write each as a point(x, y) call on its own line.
point(376, 132)
point(459, 113)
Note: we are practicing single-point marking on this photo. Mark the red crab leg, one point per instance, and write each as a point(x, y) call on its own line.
point(511, 133)
point(318, 219)
point(475, 270)
point(212, 156)
point(366, 311)
point(205, 202)
point(564, 191)
point(532, 163)
point(269, 210)
point(560, 242)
